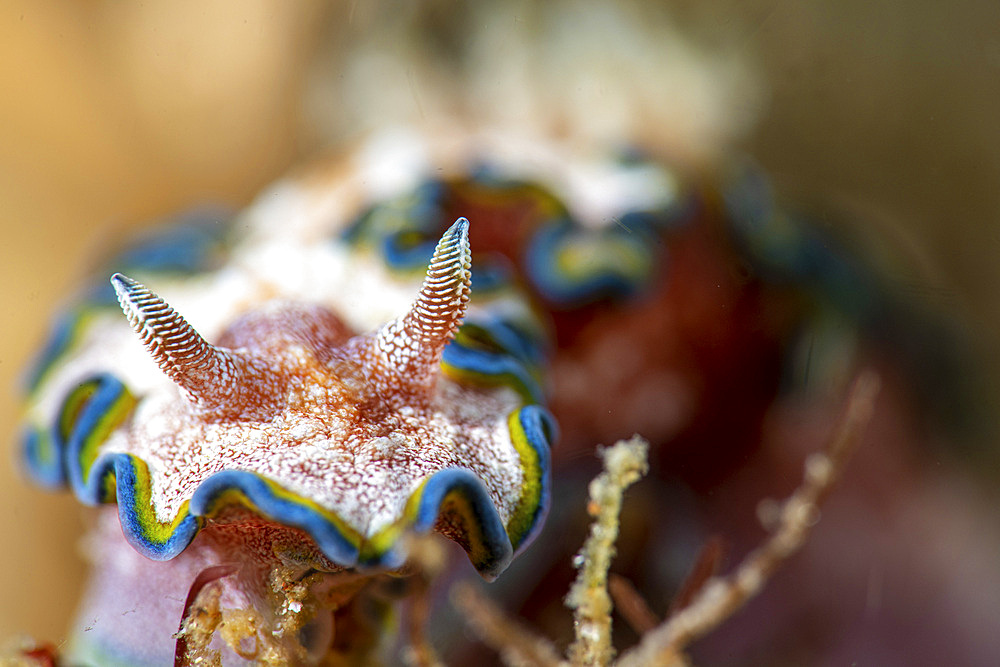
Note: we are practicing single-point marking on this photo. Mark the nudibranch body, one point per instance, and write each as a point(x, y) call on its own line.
point(292, 441)
point(291, 395)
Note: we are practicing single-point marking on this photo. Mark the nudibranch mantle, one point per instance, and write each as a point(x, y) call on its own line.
point(353, 438)
point(348, 435)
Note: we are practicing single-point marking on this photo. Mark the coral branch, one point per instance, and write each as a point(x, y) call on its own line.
point(704, 568)
point(428, 559)
point(624, 464)
point(517, 645)
point(722, 597)
point(631, 605)
point(712, 600)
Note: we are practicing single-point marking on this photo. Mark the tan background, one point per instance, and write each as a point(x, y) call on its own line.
point(112, 114)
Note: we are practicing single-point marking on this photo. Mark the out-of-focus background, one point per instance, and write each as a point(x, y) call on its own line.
point(115, 114)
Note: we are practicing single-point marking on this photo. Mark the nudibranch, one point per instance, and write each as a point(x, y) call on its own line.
point(291, 396)
point(290, 448)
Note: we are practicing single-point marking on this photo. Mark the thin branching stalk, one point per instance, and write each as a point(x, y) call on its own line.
point(720, 598)
point(518, 646)
point(624, 464)
point(714, 600)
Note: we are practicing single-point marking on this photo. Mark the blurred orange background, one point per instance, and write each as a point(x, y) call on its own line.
point(113, 114)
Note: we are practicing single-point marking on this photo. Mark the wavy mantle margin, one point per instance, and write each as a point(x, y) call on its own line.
point(93, 410)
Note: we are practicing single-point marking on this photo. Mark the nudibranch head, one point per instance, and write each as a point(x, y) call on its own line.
point(345, 440)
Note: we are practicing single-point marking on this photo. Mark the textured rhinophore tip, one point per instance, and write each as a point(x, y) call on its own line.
point(444, 295)
point(198, 367)
point(410, 348)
